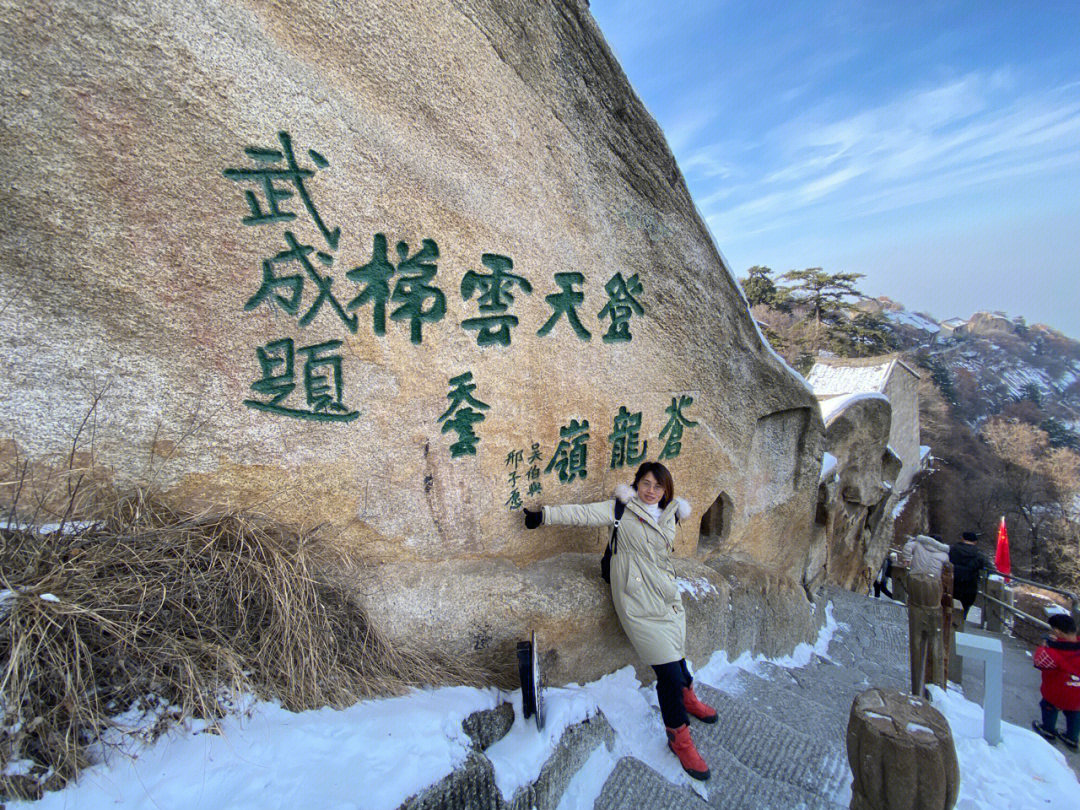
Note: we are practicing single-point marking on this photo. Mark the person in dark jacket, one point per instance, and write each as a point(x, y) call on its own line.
point(968, 562)
point(1059, 660)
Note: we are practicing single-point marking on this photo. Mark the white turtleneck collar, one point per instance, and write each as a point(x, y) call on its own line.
point(652, 509)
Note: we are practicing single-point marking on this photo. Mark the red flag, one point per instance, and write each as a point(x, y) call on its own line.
point(1001, 556)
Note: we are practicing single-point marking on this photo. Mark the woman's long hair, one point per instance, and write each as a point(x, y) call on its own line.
point(663, 478)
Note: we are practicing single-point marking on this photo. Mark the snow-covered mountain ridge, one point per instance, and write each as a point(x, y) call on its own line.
point(989, 361)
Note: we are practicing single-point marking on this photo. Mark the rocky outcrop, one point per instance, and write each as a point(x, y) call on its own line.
point(730, 605)
point(392, 272)
point(855, 496)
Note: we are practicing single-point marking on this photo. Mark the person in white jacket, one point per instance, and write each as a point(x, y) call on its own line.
point(645, 593)
point(927, 556)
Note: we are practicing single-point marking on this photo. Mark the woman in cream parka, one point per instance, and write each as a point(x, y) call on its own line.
point(645, 593)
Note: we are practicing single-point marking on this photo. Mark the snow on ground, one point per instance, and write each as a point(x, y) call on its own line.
point(1023, 771)
point(720, 671)
point(913, 319)
point(519, 756)
point(371, 755)
point(70, 527)
point(1019, 377)
point(377, 753)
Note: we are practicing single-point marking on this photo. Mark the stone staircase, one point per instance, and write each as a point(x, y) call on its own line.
point(779, 742)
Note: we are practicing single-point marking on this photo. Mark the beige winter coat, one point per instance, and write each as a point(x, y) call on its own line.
point(643, 585)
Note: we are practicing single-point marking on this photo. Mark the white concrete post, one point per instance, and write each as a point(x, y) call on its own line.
point(987, 650)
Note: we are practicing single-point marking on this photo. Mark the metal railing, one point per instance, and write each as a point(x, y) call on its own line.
point(1007, 609)
point(1042, 585)
point(1012, 609)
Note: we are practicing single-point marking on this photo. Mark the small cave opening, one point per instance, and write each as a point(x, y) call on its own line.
point(715, 524)
point(821, 511)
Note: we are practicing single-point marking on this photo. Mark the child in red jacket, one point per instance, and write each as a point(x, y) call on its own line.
point(1059, 660)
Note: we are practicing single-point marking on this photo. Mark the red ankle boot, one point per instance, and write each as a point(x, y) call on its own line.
point(679, 741)
point(703, 712)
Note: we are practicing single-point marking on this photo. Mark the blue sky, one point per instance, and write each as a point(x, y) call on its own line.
point(934, 147)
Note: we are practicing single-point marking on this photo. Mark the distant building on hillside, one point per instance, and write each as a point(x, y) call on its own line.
point(952, 326)
point(836, 378)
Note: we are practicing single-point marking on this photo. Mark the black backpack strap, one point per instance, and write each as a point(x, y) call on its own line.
point(605, 561)
point(620, 507)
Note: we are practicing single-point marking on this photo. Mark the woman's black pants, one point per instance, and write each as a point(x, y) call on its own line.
point(671, 679)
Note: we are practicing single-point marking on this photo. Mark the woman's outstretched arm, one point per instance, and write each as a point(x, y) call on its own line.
point(601, 513)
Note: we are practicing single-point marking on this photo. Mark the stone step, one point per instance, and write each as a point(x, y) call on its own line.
point(785, 701)
point(732, 786)
point(779, 742)
point(472, 785)
point(632, 783)
point(825, 688)
point(775, 751)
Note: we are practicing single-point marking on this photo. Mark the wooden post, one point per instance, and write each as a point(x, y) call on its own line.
point(925, 640)
point(901, 754)
point(956, 662)
point(946, 624)
point(995, 613)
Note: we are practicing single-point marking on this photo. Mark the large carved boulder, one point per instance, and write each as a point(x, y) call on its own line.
point(855, 493)
point(389, 270)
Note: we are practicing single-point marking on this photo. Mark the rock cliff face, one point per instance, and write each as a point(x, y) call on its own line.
point(856, 494)
point(393, 271)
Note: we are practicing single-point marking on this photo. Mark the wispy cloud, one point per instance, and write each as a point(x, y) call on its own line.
point(886, 138)
point(927, 144)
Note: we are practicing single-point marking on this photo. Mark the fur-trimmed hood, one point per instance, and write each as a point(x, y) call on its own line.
point(927, 555)
point(624, 492)
point(930, 543)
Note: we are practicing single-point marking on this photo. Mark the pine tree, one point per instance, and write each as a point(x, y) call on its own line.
point(825, 297)
point(759, 286)
point(825, 294)
point(864, 335)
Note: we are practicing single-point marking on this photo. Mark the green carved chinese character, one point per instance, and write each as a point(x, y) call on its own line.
point(275, 182)
point(411, 291)
point(565, 302)
point(621, 306)
point(570, 457)
point(376, 275)
point(276, 361)
point(463, 413)
point(674, 426)
point(514, 459)
point(294, 284)
point(495, 297)
point(532, 475)
point(624, 439)
point(322, 381)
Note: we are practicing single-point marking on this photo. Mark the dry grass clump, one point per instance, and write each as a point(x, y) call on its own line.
point(154, 608)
